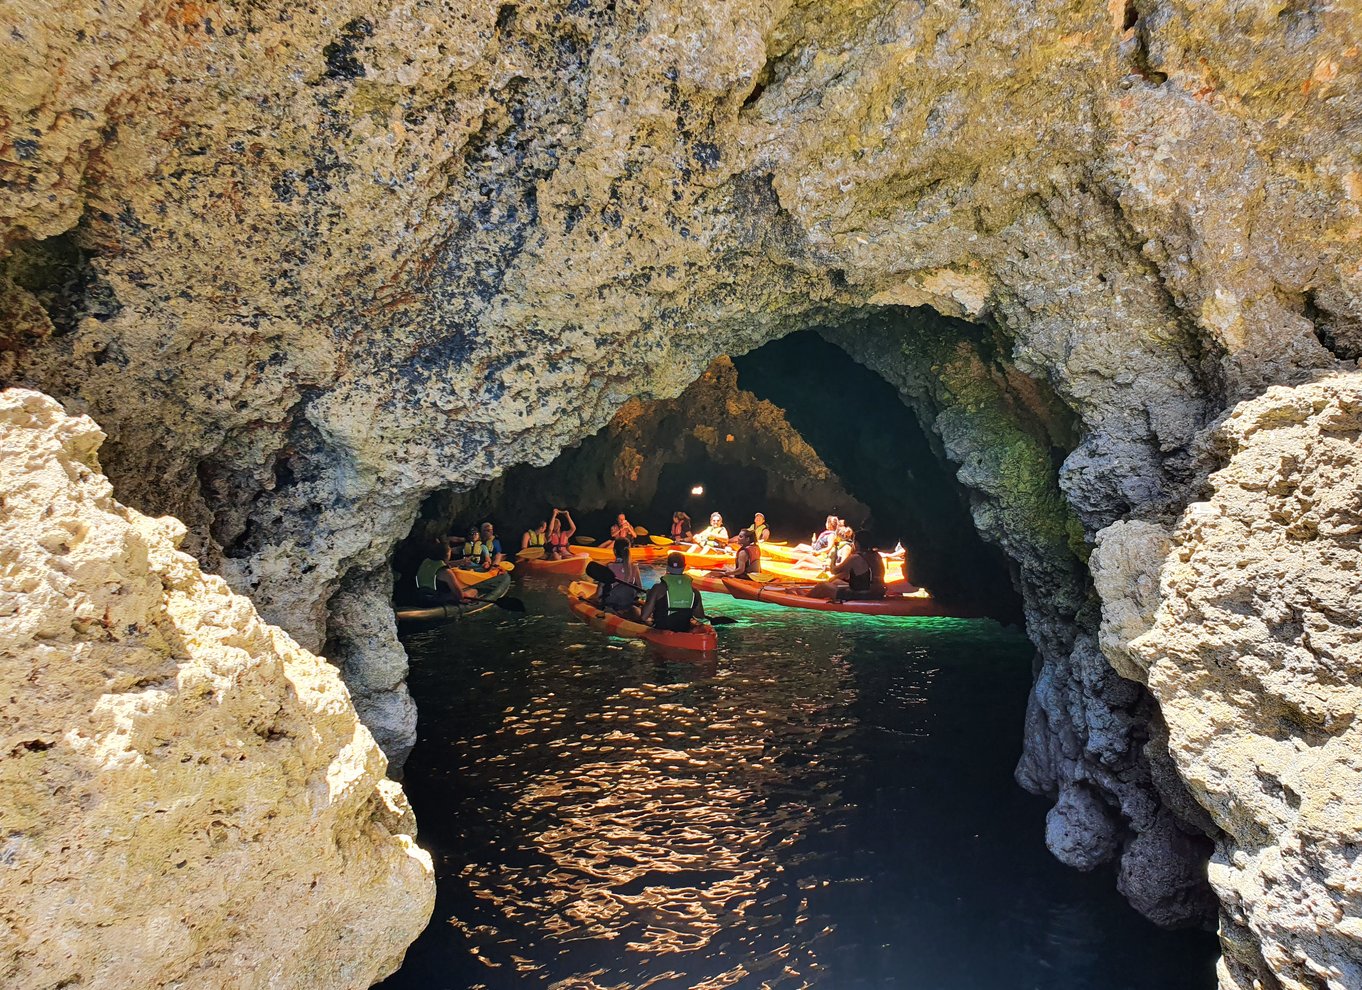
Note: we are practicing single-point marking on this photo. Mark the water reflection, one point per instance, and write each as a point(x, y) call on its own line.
point(829, 805)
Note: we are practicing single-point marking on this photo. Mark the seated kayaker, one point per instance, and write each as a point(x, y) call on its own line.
point(760, 531)
point(492, 555)
point(860, 576)
point(623, 529)
point(558, 535)
point(673, 603)
point(620, 595)
point(748, 560)
point(435, 580)
point(681, 528)
point(538, 536)
point(461, 548)
point(820, 542)
point(714, 536)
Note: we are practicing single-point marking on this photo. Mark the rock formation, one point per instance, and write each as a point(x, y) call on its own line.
point(622, 465)
point(1243, 620)
point(308, 265)
point(186, 796)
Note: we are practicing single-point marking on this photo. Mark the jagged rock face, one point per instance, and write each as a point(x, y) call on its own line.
point(186, 796)
point(621, 467)
point(309, 265)
point(1243, 621)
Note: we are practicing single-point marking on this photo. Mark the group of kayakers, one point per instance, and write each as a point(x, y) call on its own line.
point(855, 566)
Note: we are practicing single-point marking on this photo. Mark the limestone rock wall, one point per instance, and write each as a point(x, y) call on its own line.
point(1243, 620)
point(309, 264)
point(186, 796)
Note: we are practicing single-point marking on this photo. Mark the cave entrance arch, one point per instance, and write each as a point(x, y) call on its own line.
point(795, 429)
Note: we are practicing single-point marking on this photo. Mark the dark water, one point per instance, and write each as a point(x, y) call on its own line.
point(829, 805)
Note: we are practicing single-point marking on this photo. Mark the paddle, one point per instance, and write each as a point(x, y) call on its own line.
point(584, 541)
point(640, 531)
point(531, 553)
point(509, 604)
point(661, 541)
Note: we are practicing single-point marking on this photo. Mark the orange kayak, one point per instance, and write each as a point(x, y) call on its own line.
point(891, 605)
point(468, 577)
point(701, 638)
point(638, 555)
point(574, 565)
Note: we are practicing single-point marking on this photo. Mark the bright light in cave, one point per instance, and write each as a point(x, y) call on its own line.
point(698, 490)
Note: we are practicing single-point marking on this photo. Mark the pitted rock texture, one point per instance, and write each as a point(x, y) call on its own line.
point(1250, 641)
point(622, 465)
point(310, 264)
point(186, 796)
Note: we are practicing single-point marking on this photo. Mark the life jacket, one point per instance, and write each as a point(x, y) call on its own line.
point(680, 593)
point(476, 549)
point(870, 578)
point(753, 559)
point(537, 539)
point(762, 532)
point(558, 539)
point(428, 574)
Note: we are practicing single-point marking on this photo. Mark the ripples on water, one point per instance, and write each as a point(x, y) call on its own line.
point(828, 804)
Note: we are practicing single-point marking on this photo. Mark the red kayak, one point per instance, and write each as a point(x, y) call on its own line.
point(922, 605)
point(701, 638)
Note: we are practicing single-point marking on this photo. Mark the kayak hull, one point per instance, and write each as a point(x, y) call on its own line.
point(574, 565)
point(702, 639)
point(488, 592)
point(638, 555)
point(897, 605)
point(787, 571)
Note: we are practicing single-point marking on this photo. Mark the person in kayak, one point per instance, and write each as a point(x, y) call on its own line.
point(681, 528)
point(819, 542)
point(558, 535)
point(536, 537)
point(860, 577)
point(489, 547)
point(673, 603)
point(760, 531)
point(435, 580)
point(621, 594)
point(748, 560)
point(714, 536)
point(623, 529)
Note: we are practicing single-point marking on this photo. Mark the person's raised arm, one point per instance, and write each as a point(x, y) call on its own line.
point(571, 526)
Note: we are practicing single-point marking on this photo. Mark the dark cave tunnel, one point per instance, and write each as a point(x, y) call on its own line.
point(887, 479)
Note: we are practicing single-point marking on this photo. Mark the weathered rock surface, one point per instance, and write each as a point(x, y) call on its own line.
point(186, 797)
point(308, 265)
point(1251, 643)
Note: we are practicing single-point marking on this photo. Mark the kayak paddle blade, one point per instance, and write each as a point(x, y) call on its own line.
point(510, 604)
point(660, 541)
point(640, 531)
point(531, 553)
point(584, 541)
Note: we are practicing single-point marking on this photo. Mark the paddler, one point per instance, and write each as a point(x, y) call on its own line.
point(536, 537)
point(621, 594)
point(623, 529)
point(435, 580)
point(748, 560)
point(558, 536)
point(681, 528)
point(860, 577)
point(489, 547)
point(673, 603)
point(823, 540)
point(761, 533)
point(714, 536)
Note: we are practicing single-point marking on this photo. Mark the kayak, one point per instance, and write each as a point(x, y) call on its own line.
point(786, 571)
point(701, 638)
point(638, 555)
point(922, 604)
point(488, 592)
point(468, 577)
point(573, 565)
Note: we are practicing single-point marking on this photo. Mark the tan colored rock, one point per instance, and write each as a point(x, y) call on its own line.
point(1255, 656)
point(186, 797)
point(308, 264)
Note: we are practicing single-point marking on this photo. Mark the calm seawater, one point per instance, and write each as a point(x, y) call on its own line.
point(829, 804)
